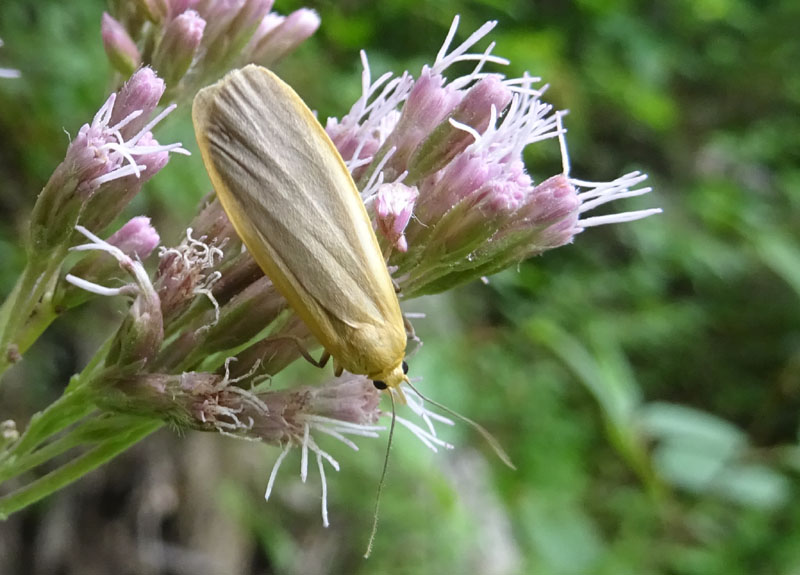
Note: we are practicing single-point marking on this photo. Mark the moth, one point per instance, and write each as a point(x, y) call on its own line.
point(295, 206)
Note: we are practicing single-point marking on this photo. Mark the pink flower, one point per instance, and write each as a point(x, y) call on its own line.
point(394, 204)
point(137, 238)
point(120, 47)
point(277, 36)
point(105, 164)
point(459, 144)
point(178, 46)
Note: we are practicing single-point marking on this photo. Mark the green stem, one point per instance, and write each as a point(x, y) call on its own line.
point(65, 411)
point(8, 315)
point(74, 404)
point(43, 316)
point(76, 468)
point(23, 299)
point(85, 432)
point(93, 369)
point(625, 439)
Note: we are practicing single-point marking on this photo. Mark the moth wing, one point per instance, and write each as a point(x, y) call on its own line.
point(293, 202)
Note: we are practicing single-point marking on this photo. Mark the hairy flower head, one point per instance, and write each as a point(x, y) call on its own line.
point(458, 145)
point(106, 164)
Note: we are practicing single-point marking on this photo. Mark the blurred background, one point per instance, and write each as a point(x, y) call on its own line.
point(645, 380)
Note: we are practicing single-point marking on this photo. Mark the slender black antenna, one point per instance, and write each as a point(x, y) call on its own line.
point(493, 443)
point(381, 482)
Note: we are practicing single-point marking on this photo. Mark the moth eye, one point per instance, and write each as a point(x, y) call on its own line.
point(405, 367)
point(380, 385)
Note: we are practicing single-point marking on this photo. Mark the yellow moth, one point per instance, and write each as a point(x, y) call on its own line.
point(292, 201)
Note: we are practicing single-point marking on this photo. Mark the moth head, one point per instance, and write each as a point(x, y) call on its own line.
point(392, 378)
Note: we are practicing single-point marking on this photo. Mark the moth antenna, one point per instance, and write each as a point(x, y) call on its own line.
point(493, 443)
point(381, 483)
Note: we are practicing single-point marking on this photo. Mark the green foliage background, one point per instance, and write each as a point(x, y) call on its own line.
point(644, 379)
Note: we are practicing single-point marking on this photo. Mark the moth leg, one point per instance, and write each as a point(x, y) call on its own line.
point(301, 347)
point(410, 333)
point(320, 363)
point(337, 368)
point(411, 337)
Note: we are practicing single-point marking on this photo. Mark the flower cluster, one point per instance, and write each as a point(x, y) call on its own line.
point(145, 378)
point(439, 164)
point(105, 166)
point(193, 42)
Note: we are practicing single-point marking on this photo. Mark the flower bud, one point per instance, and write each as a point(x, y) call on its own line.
point(120, 47)
point(459, 213)
point(139, 338)
point(213, 223)
point(8, 434)
point(178, 46)
point(268, 23)
point(429, 103)
point(278, 350)
point(273, 42)
point(466, 174)
point(139, 95)
point(151, 156)
point(451, 241)
point(136, 239)
point(547, 219)
point(194, 42)
point(153, 10)
point(231, 24)
point(210, 402)
point(141, 334)
point(353, 145)
point(105, 165)
point(394, 204)
point(174, 8)
point(350, 399)
point(246, 315)
point(96, 180)
point(60, 202)
point(186, 271)
point(480, 105)
point(247, 21)
point(110, 199)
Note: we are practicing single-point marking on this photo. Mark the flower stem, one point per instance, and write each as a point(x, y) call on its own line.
point(85, 432)
point(77, 468)
point(75, 404)
point(67, 410)
point(15, 312)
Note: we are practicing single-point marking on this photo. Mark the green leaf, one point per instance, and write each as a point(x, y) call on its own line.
point(704, 431)
point(687, 466)
point(753, 485)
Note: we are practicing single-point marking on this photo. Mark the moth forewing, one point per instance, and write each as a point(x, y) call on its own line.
point(293, 202)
